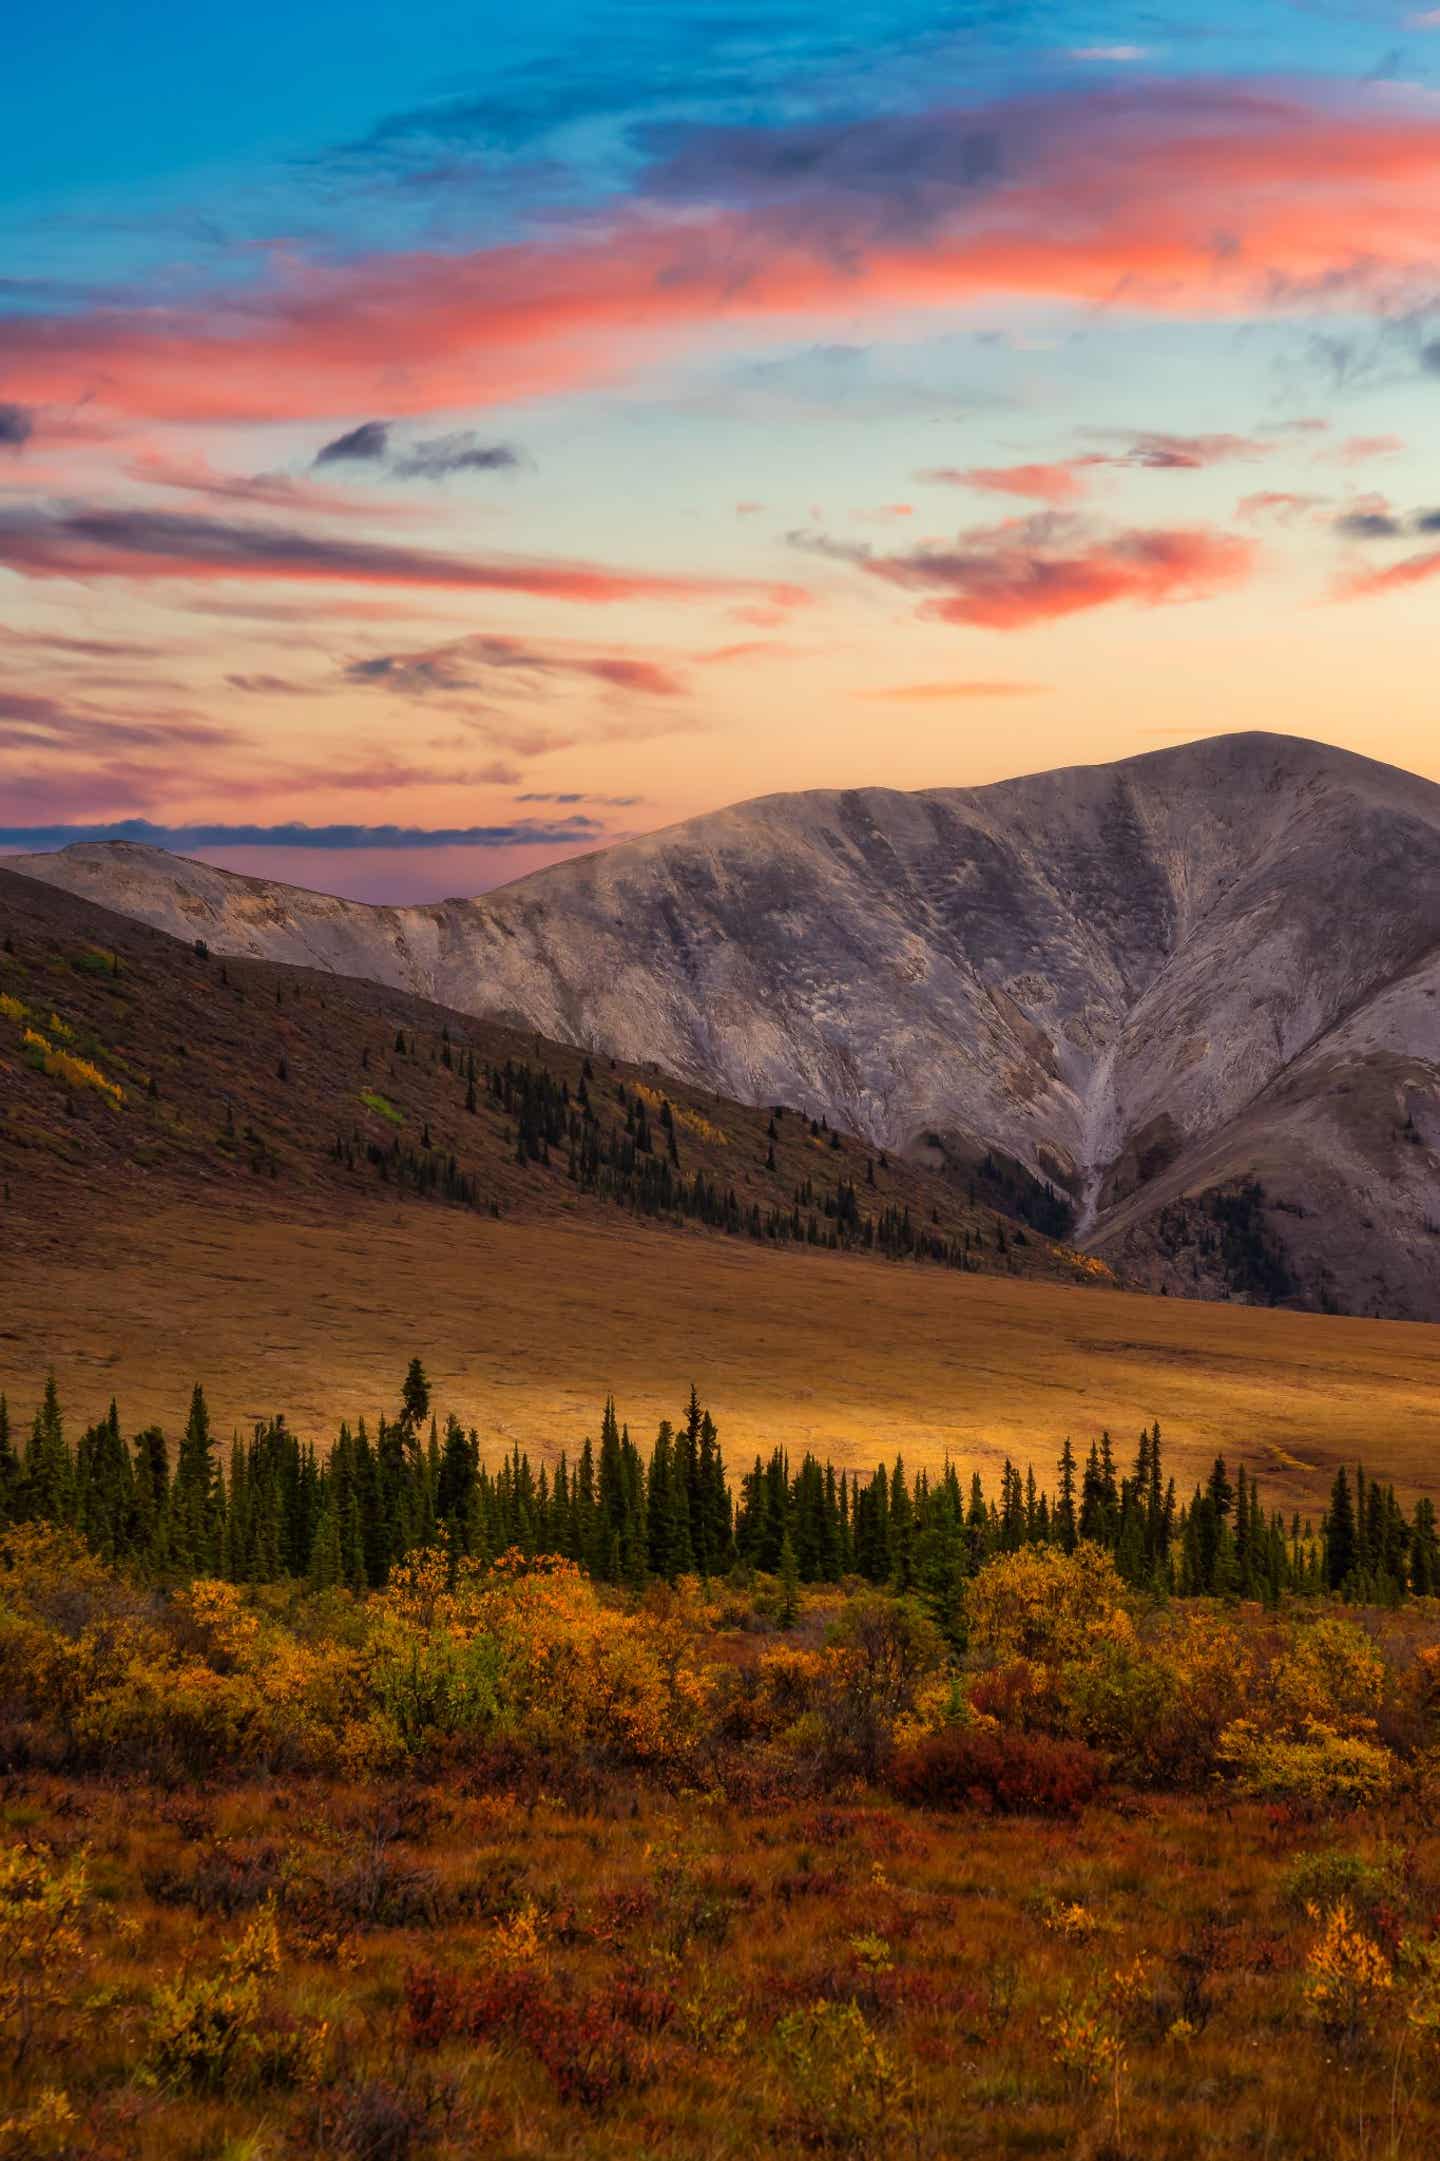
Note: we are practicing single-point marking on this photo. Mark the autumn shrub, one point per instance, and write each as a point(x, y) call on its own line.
point(460, 1659)
point(984, 1767)
point(46, 2129)
point(1330, 1673)
point(494, 2004)
point(1092, 2032)
point(1330, 1878)
point(1317, 1771)
point(44, 1903)
point(840, 2085)
point(1157, 1708)
point(592, 2055)
point(213, 2032)
point(224, 1879)
point(1127, 1703)
point(1348, 1979)
point(1046, 1605)
point(375, 2120)
point(96, 1673)
point(876, 1656)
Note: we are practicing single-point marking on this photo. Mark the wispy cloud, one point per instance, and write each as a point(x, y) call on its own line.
point(1395, 578)
point(943, 693)
point(84, 544)
point(461, 664)
point(606, 802)
point(43, 723)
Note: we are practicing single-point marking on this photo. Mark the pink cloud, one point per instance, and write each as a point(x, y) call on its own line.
point(1397, 578)
point(1277, 503)
point(1360, 449)
point(1214, 200)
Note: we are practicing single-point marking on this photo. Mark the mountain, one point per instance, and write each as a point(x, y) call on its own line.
point(1195, 990)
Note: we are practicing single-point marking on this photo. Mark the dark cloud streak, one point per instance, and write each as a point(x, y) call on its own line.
point(434, 457)
point(527, 832)
point(369, 444)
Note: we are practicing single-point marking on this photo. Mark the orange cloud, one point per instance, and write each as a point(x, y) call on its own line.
point(1040, 483)
point(1040, 569)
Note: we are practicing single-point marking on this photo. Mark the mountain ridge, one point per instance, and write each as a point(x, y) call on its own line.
point(1147, 981)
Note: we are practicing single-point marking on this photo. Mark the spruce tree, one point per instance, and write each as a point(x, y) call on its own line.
point(195, 1530)
point(1340, 1548)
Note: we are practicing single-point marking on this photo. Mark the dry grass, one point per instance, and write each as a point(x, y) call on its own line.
point(689, 1932)
point(526, 1326)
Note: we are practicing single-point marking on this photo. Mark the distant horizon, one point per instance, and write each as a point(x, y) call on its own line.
point(385, 866)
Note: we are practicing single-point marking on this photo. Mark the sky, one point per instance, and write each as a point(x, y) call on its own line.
point(434, 444)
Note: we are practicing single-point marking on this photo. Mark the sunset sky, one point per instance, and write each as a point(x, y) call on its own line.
point(517, 428)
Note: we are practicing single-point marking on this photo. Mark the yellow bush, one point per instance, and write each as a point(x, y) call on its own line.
point(212, 2032)
point(1321, 1770)
point(526, 1652)
point(1158, 1710)
point(42, 1905)
point(1331, 1673)
point(1347, 1977)
point(689, 1121)
point(841, 2084)
point(67, 1066)
point(45, 2131)
point(11, 1008)
point(1046, 1605)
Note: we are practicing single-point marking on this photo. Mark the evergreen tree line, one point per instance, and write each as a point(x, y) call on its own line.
point(633, 1158)
point(269, 1507)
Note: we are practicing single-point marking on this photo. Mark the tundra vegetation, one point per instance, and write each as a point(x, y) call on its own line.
point(394, 1803)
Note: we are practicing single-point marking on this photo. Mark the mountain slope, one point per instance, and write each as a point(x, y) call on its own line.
point(136, 1072)
point(1151, 982)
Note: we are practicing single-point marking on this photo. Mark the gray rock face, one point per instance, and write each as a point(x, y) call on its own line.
point(1144, 979)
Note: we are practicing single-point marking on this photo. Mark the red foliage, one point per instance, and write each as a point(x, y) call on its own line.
point(590, 2049)
point(639, 2003)
point(1008, 1774)
point(590, 2054)
point(440, 2004)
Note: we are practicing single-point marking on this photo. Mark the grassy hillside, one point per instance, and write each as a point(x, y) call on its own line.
point(133, 1064)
